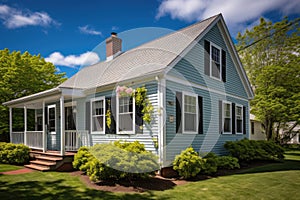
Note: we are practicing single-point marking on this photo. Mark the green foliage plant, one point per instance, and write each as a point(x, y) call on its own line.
point(188, 163)
point(17, 154)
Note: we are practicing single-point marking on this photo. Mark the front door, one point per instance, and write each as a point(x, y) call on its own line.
point(51, 127)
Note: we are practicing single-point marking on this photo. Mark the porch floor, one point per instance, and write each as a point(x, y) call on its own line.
point(51, 161)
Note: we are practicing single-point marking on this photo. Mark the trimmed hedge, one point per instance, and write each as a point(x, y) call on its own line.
point(254, 150)
point(16, 154)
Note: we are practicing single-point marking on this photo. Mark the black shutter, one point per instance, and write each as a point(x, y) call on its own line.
point(178, 112)
point(244, 120)
point(233, 118)
point(108, 107)
point(224, 66)
point(220, 117)
point(138, 119)
point(207, 57)
point(200, 115)
point(88, 116)
point(113, 106)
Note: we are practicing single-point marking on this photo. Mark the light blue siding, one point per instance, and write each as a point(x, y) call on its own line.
point(149, 132)
point(211, 140)
point(191, 67)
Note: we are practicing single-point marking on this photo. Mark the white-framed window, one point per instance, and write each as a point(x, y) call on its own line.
point(227, 117)
point(52, 119)
point(215, 61)
point(239, 119)
point(126, 115)
point(98, 115)
point(190, 113)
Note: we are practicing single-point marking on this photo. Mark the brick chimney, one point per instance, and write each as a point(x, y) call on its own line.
point(113, 46)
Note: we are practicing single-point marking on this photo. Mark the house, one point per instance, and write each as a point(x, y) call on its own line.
point(195, 83)
point(256, 129)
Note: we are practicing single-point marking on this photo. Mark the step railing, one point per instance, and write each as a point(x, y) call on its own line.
point(17, 137)
point(74, 139)
point(34, 139)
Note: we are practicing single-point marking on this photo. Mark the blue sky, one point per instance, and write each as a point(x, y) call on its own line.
point(68, 33)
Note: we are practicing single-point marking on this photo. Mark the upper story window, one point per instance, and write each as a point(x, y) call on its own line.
point(190, 113)
point(98, 115)
point(215, 65)
point(214, 61)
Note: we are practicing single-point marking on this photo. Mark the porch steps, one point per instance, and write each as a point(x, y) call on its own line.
point(50, 161)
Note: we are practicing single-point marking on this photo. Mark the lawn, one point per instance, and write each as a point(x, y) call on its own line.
point(6, 167)
point(273, 181)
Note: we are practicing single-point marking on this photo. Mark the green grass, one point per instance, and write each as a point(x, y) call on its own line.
point(7, 167)
point(273, 181)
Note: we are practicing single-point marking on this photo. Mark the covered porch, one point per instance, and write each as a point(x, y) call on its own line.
point(49, 121)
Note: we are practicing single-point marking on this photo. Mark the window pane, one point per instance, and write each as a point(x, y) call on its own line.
point(70, 118)
point(189, 122)
point(227, 123)
point(239, 126)
point(215, 62)
point(98, 123)
point(126, 123)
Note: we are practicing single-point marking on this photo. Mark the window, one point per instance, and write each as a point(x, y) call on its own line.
point(98, 115)
point(215, 62)
point(126, 115)
point(239, 119)
point(70, 117)
point(190, 113)
point(51, 118)
point(227, 117)
point(252, 128)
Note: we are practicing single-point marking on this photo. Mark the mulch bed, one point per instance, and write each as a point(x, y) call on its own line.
point(155, 183)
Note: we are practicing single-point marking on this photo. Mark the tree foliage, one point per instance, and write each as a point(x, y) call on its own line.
point(22, 75)
point(270, 54)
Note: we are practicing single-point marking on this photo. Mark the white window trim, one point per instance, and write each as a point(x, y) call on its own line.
point(223, 116)
point(242, 115)
point(91, 115)
point(183, 111)
point(210, 61)
point(48, 107)
point(133, 121)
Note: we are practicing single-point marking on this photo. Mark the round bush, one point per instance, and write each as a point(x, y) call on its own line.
point(188, 164)
point(17, 154)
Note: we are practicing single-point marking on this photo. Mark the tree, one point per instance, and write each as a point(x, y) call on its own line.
point(270, 54)
point(22, 75)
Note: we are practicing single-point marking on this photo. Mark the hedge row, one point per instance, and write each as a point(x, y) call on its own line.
point(16, 154)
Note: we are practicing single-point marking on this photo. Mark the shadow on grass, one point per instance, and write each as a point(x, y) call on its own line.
point(275, 166)
point(59, 190)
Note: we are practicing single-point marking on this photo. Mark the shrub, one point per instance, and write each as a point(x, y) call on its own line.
point(188, 164)
point(248, 150)
point(211, 164)
point(81, 158)
point(118, 160)
point(227, 162)
point(17, 154)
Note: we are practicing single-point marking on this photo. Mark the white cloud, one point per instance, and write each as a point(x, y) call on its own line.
point(88, 30)
point(235, 12)
point(15, 18)
point(88, 58)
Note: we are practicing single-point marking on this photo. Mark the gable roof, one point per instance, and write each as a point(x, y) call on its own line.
point(150, 58)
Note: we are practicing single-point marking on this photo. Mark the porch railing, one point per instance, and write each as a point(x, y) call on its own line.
point(34, 139)
point(74, 139)
point(17, 137)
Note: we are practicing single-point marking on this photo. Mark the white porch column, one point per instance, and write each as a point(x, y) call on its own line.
point(62, 126)
point(10, 124)
point(25, 125)
point(44, 129)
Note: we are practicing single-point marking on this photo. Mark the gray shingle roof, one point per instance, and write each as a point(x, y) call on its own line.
point(147, 59)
